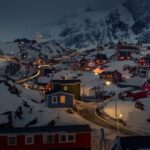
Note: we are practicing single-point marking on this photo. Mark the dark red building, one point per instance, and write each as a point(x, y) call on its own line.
point(74, 137)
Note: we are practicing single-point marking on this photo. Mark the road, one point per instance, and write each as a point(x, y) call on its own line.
point(20, 81)
point(8, 59)
point(39, 68)
point(92, 115)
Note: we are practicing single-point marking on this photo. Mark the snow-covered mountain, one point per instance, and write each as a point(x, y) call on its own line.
point(87, 28)
point(31, 49)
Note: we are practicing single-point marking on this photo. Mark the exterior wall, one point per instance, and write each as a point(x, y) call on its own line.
point(68, 100)
point(71, 88)
point(83, 141)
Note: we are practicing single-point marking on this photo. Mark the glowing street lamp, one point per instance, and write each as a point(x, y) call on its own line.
point(108, 83)
point(95, 73)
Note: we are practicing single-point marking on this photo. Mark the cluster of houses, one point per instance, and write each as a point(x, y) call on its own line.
point(125, 51)
point(62, 94)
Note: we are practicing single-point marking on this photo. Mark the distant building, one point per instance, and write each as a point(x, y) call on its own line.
point(144, 62)
point(59, 100)
point(68, 86)
point(124, 55)
point(113, 76)
point(125, 51)
point(73, 137)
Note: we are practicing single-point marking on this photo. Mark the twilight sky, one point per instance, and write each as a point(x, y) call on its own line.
point(19, 16)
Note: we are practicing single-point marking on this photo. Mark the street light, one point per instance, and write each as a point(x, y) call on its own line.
point(108, 83)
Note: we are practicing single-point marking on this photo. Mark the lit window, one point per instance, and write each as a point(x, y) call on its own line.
point(12, 140)
point(29, 139)
point(62, 99)
point(54, 99)
point(67, 138)
point(47, 139)
point(65, 88)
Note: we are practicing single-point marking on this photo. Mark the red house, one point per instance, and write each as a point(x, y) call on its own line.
point(124, 55)
point(74, 137)
point(135, 95)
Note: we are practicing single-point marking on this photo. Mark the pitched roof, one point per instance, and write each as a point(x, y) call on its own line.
point(32, 130)
point(56, 92)
point(66, 81)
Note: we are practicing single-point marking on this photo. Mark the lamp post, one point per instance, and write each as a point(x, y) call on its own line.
point(108, 83)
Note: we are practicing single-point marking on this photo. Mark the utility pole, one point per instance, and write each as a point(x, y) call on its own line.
point(102, 140)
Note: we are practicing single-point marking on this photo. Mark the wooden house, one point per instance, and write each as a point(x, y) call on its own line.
point(124, 46)
point(73, 137)
point(68, 86)
point(125, 51)
point(113, 76)
point(124, 55)
point(59, 100)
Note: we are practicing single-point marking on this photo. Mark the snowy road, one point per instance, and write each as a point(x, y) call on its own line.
point(89, 113)
point(34, 76)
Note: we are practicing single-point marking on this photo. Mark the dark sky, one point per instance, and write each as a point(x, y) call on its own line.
point(19, 16)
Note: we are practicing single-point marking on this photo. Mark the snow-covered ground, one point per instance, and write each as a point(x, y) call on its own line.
point(135, 119)
point(44, 115)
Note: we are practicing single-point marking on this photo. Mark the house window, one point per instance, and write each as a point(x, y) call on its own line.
point(54, 99)
point(48, 139)
point(67, 138)
point(62, 99)
point(29, 139)
point(71, 138)
point(12, 140)
point(63, 138)
point(65, 88)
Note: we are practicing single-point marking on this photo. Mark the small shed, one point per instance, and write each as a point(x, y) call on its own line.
point(59, 100)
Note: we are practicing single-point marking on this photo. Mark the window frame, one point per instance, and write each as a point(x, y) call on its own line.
point(53, 99)
point(26, 136)
point(65, 87)
point(67, 138)
point(45, 141)
point(8, 141)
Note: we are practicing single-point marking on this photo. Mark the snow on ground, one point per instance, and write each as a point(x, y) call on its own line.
point(2, 67)
point(135, 119)
point(44, 79)
point(3, 64)
point(40, 112)
point(118, 65)
point(136, 81)
point(109, 52)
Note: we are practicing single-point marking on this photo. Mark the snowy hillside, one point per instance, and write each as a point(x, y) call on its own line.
point(27, 49)
point(86, 29)
point(26, 110)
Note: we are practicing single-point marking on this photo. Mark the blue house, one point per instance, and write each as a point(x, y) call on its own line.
point(59, 100)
